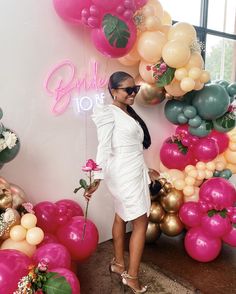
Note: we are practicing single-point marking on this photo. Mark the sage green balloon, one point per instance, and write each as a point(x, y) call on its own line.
point(211, 102)
point(172, 109)
point(203, 130)
point(231, 89)
point(226, 173)
point(195, 122)
point(188, 97)
point(7, 154)
point(1, 113)
point(223, 83)
point(190, 111)
point(216, 173)
point(182, 119)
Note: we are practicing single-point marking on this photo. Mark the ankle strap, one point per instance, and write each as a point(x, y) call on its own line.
point(113, 262)
point(127, 276)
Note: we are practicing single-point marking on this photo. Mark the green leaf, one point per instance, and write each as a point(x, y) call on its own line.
point(56, 284)
point(223, 213)
point(166, 77)
point(227, 120)
point(83, 184)
point(183, 149)
point(234, 225)
point(116, 31)
point(77, 189)
point(211, 212)
point(209, 125)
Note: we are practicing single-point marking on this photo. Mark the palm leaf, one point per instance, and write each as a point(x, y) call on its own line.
point(166, 77)
point(116, 31)
point(56, 284)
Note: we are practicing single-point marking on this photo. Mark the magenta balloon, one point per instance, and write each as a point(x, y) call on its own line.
point(107, 4)
point(190, 214)
point(221, 139)
point(47, 214)
point(70, 10)
point(13, 266)
point(205, 149)
point(102, 44)
point(70, 277)
point(56, 255)
point(182, 130)
point(172, 157)
point(71, 204)
point(70, 235)
point(219, 192)
point(230, 238)
point(48, 238)
point(215, 226)
point(200, 246)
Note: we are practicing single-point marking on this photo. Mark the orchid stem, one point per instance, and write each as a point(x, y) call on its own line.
point(86, 210)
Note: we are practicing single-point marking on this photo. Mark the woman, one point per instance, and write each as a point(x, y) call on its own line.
point(122, 136)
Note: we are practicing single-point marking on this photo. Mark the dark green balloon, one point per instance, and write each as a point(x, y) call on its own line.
point(172, 109)
point(231, 89)
point(225, 123)
point(1, 113)
point(216, 173)
point(188, 97)
point(195, 122)
point(211, 102)
point(203, 130)
point(223, 83)
point(7, 154)
point(226, 173)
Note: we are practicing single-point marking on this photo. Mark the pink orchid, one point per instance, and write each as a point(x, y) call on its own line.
point(43, 265)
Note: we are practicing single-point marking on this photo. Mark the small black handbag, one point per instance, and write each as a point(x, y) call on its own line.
point(155, 187)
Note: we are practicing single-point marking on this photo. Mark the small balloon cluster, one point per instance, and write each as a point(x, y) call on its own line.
point(113, 30)
point(164, 211)
point(211, 220)
point(9, 143)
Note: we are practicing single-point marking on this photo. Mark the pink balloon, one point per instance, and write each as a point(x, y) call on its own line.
point(200, 246)
point(215, 226)
point(48, 238)
point(205, 149)
point(54, 253)
point(172, 157)
point(47, 214)
point(221, 139)
point(70, 277)
point(182, 130)
point(71, 204)
point(107, 4)
point(230, 238)
point(70, 235)
point(70, 10)
point(13, 266)
point(102, 44)
point(191, 214)
point(219, 192)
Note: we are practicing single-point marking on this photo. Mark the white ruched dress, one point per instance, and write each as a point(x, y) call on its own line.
point(120, 155)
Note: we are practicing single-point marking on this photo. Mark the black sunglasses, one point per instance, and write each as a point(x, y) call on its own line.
point(130, 90)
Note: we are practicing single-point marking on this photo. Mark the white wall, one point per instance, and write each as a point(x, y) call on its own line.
point(53, 148)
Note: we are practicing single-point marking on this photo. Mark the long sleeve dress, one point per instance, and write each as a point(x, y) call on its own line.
point(120, 155)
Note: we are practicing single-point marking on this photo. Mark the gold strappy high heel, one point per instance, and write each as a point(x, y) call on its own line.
point(125, 276)
point(113, 265)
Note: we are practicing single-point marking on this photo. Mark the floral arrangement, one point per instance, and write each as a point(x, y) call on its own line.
point(8, 139)
point(40, 281)
point(89, 168)
point(162, 73)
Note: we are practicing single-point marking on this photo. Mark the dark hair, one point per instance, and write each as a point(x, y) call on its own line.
point(114, 82)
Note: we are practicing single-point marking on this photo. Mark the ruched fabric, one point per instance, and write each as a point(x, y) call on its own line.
point(120, 154)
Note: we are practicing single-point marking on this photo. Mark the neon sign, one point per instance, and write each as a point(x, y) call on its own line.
point(63, 85)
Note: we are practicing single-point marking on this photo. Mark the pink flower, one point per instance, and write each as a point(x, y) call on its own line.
point(39, 291)
point(163, 67)
point(43, 265)
point(28, 207)
point(91, 165)
point(148, 67)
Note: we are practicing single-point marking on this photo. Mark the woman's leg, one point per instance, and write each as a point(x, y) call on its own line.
point(118, 233)
point(136, 245)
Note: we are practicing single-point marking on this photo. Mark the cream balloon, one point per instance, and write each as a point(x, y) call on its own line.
point(205, 76)
point(181, 73)
point(152, 23)
point(146, 75)
point(232, 167)
point(17, 233)
point(166, 18)
point(28, 220)
point(195, 60)
point(150, 45)
point(22, 246)
point(211, 165)
point(194, 73)
point(232, 146)
point(34, 236)
point(201, 165)
point(183, 32)
point(174, 89)
point(179, 184)
point(175, 53)
point(189, 167)
point(175, 174)
point(126, 61)
point(220, 165)
point(156, 5)
point(189, 181)
point(148, 10)
point(198, 85)
point(188, 190)
point(194, 197)
point(165, 29)
point(187, 84)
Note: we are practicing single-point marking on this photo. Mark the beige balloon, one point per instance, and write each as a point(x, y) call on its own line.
point(181, 73)
point(195, 60)
point(18, 233)
point(165, 29)
point(22, 246)
point(150, 46)
point(183, 32)
point(146, 75)
point(166, 18)
point(28, 220)
point(153, 23)
point(153, 232)
point(172, 201)
point(187, 84)
point(175, 53)
point(34, 236)
point(157, 212)
point(158, 9)
point(174, 89)
point(171, 225)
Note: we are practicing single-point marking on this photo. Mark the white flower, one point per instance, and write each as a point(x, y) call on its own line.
point(9, 215)
point(3, 145)
point(9, 140)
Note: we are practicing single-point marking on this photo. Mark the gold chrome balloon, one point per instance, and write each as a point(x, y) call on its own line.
point(172, 201)
point(162, 181)
point(153, 232)
point(156, 213)
point(5, 197)
point(168, 187)
point(171, 225)
point(149, 94)
point(162, 192)
point(18, 195)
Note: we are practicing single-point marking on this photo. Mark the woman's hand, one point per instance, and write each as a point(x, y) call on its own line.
point(153, 174)
point(91, 189)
